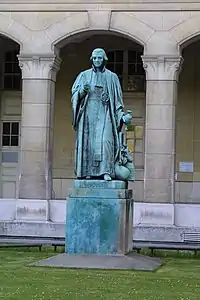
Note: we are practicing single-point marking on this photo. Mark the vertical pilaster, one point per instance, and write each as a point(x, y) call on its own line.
point(38, 89)
point(161, 96)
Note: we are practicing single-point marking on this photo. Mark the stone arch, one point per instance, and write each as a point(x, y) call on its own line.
point(187, 31)
point(117, 22)
point(13, 29)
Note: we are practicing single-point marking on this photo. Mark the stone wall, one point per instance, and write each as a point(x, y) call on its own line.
point(159, 32)
point(52, 5)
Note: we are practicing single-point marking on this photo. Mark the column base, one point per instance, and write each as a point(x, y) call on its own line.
point(99, 218)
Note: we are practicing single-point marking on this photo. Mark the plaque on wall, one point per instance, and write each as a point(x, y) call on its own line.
point(186, 167)
point(139, 132)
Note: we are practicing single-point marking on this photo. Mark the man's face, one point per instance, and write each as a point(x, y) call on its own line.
point(97, 59)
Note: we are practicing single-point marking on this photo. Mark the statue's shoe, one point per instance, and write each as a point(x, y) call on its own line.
point(107, 177)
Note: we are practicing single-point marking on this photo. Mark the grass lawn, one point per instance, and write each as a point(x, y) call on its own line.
point(178, 278)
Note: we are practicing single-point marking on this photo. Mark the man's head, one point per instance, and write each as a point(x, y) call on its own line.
point(98, 58)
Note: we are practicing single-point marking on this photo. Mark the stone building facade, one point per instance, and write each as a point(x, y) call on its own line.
point(154, 48)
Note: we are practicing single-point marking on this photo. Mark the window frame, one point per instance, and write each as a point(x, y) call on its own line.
point(10, 135)
point(125, 73)
point(13, 74)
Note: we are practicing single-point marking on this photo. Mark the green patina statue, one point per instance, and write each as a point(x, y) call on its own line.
point(98, 118)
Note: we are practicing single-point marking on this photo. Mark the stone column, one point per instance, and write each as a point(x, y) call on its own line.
point(38, 90)
point(162, 75)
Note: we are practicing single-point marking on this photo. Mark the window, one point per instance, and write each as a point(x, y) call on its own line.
point(12, 72)
point(10, 134)
point(115, 63)
point(129, 68)
point(136, 73)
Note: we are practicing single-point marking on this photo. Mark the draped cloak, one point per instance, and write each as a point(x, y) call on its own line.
point(97, 119)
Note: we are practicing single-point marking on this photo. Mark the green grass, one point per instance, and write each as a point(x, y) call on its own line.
point(178, 278)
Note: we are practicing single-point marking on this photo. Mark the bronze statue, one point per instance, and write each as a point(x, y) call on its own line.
point(98, 118)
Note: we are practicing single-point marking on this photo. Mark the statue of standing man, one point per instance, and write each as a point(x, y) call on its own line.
point(98, 117)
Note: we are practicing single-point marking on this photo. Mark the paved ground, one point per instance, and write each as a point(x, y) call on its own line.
point(132, 261)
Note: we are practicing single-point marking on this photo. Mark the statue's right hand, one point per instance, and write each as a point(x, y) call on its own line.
point(86, 88)
point(84, 91)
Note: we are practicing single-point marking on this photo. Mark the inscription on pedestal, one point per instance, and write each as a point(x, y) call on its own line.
point(100, 184)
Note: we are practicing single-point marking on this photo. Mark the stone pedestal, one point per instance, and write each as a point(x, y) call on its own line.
point(99, 218)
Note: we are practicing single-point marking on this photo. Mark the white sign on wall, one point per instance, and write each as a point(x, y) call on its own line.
point(186, 167)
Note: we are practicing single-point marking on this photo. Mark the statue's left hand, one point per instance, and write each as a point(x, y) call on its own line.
point(127, 119)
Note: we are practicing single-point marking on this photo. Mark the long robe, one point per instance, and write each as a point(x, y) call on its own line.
point(97, 119)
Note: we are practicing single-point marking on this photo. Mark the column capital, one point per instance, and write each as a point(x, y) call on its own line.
point(36, 66)
point(162, 67)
